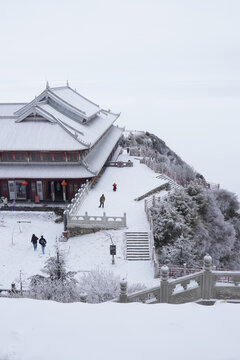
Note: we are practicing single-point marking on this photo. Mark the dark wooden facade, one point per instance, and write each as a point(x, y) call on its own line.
point(42, 189)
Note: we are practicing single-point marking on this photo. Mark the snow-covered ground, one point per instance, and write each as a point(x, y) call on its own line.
point(16, 250)
point(83, 253)
point(45, 330)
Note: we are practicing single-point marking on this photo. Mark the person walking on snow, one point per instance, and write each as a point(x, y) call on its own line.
point(114, 186)
point(43, 243)
point(102, 201)
point(5, 201)
point(14, 205)
point(34, 242)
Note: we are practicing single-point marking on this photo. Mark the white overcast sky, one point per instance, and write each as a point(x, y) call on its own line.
point(170, 67)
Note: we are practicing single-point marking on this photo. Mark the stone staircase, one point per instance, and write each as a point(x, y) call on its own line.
point(137, 245)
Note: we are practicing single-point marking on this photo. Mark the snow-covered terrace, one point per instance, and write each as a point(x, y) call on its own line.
point(132, 182)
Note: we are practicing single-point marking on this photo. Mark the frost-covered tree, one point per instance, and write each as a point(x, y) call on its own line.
point(193, 221)
point(58, 285)
point(102, 285)
point(159, 154)
point(227, 202)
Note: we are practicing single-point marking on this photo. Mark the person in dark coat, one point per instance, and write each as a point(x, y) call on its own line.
point(34, 241)
point(102, 201)
point(114, 187)
point(43, 243)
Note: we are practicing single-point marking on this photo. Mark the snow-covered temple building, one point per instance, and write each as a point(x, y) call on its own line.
point(52, 145)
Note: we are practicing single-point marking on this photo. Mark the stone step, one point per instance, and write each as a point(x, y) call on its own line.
point(137, 241)
point(136, 235)
point(137, 246)
point(138, 259)
point(135, 232)
point(135, 251)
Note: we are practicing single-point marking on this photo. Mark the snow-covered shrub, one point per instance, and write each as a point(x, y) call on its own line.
point(58, 285)
point(102, 285)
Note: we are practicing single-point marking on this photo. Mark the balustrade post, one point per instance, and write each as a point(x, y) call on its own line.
point(104, 218)
point(124, 219)
point(65, 219)
point(184, 269)
point(86, 217)
point(153, 252)
point(207, 283)
point(156, 269)
point(123, 292)
point(164, 284)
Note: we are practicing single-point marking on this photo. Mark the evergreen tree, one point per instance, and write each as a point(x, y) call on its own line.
point(58, 285)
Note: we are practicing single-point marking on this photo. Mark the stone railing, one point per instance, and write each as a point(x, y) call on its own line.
point(152, 202)
point(205, 286)
point(150, 159)
point(99, 222)
point(73, 208)
point(79, 198)
point(72, 219)
point(128, 163)
point(165, 186)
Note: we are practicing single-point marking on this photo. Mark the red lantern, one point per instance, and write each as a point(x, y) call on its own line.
point(64, 183)
point(24, 183)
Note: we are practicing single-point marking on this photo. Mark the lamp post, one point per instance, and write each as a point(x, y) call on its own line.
point(64, 184)
point(25, 184)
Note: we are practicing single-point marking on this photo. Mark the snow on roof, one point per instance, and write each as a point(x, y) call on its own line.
point(35, 135)
point(7, 110)
point(28, 133)
point(87, 133)
point(39, 171)
point(100, 153)
point(78, 101)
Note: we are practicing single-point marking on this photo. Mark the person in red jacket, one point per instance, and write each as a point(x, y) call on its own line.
point(114, 186)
